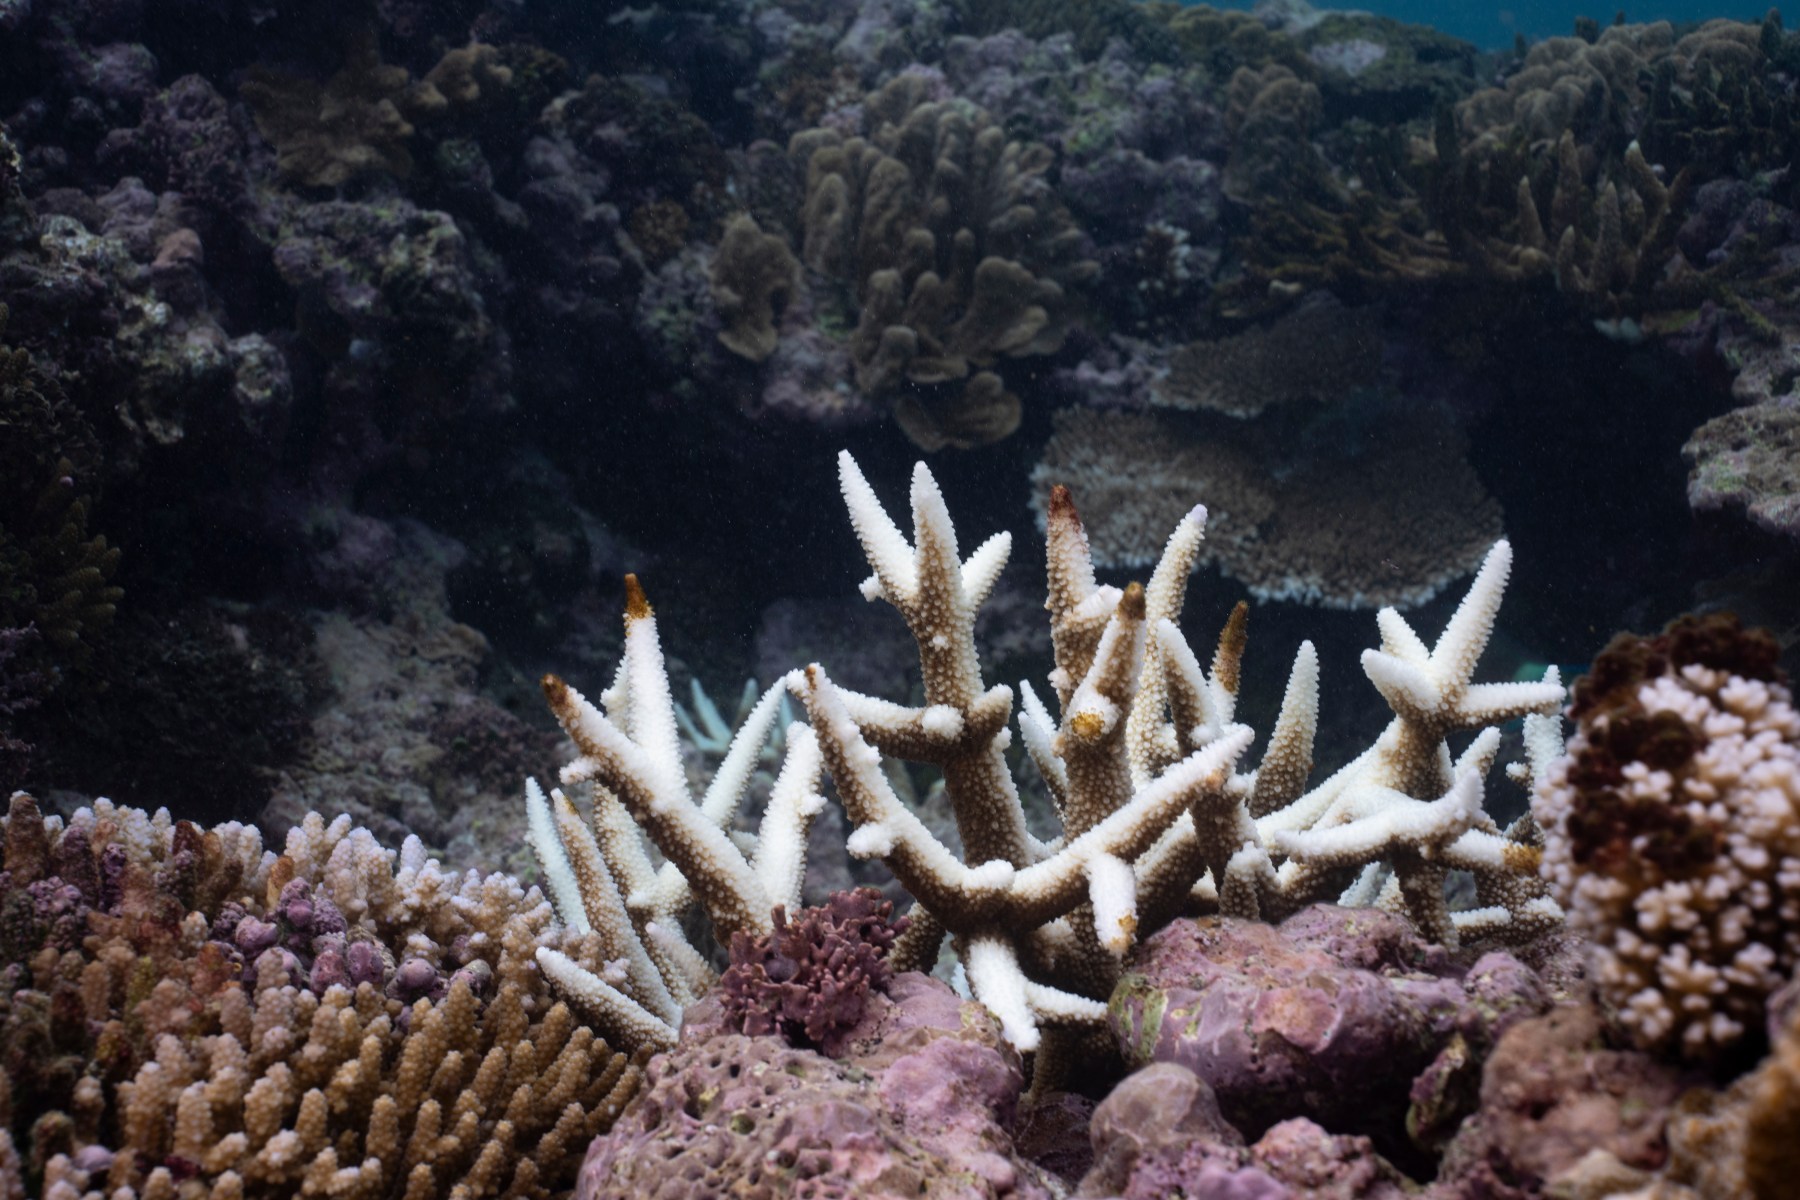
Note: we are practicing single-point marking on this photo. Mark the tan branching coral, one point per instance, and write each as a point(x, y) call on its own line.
point(354, 124)
point(1607, 245)
point(1394, 523)
point(949, 250)
point(465, 75)
point(1582, 164)
point(752, 273)
point(1569, 84)
point(188, 1014)
point(1311, 353)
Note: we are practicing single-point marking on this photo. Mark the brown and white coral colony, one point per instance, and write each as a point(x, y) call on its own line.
point(1142, 759)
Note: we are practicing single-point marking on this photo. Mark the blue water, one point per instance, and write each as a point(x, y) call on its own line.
point(1493, 26)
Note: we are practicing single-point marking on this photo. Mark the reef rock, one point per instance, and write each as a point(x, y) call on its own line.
point(922, 1096)
point(1345, 1016)
point(1160, 1133)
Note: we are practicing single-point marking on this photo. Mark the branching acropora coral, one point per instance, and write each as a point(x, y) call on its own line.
point(1142, 766)
point(1141, 763)
point(601, 878)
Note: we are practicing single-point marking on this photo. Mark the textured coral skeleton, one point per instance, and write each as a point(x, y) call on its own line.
point(1142, 759)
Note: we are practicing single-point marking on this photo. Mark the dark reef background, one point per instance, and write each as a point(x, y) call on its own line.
point(357, 351)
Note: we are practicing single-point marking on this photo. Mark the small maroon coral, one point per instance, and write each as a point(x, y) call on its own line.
point(810, 979)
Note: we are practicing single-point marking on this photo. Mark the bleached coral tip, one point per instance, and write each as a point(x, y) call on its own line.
point(870, 841)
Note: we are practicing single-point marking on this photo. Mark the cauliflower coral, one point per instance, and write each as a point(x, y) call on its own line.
point(1672, 832)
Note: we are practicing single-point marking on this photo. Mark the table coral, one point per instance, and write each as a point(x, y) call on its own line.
point(1393, 518)
point(1316, 352)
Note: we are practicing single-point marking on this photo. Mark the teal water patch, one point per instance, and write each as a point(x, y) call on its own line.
point(1493, 26)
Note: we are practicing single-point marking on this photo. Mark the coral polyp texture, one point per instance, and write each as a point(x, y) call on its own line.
point(811, 978)
point(1672, 832)
point(185, 1013)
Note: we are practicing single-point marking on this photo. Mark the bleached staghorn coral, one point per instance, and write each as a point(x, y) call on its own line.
point(1672, 832)
point(1141, 764)
point(601, 877)
point(270, 1023)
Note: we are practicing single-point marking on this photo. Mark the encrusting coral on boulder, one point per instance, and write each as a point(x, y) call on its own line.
point(183, 1009)
point(1345, 1015)
point(919, 1102)
point(1160, 1134)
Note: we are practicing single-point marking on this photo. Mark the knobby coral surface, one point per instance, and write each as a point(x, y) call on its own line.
point(185, 1013)
point(1672, 831)
point(810, 979)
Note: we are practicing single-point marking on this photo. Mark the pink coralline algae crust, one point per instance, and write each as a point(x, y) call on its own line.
point(1553, 1092)
point(920, 1103)
point(1331, 1015)
point(1160, 1134)
point(810, 981)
